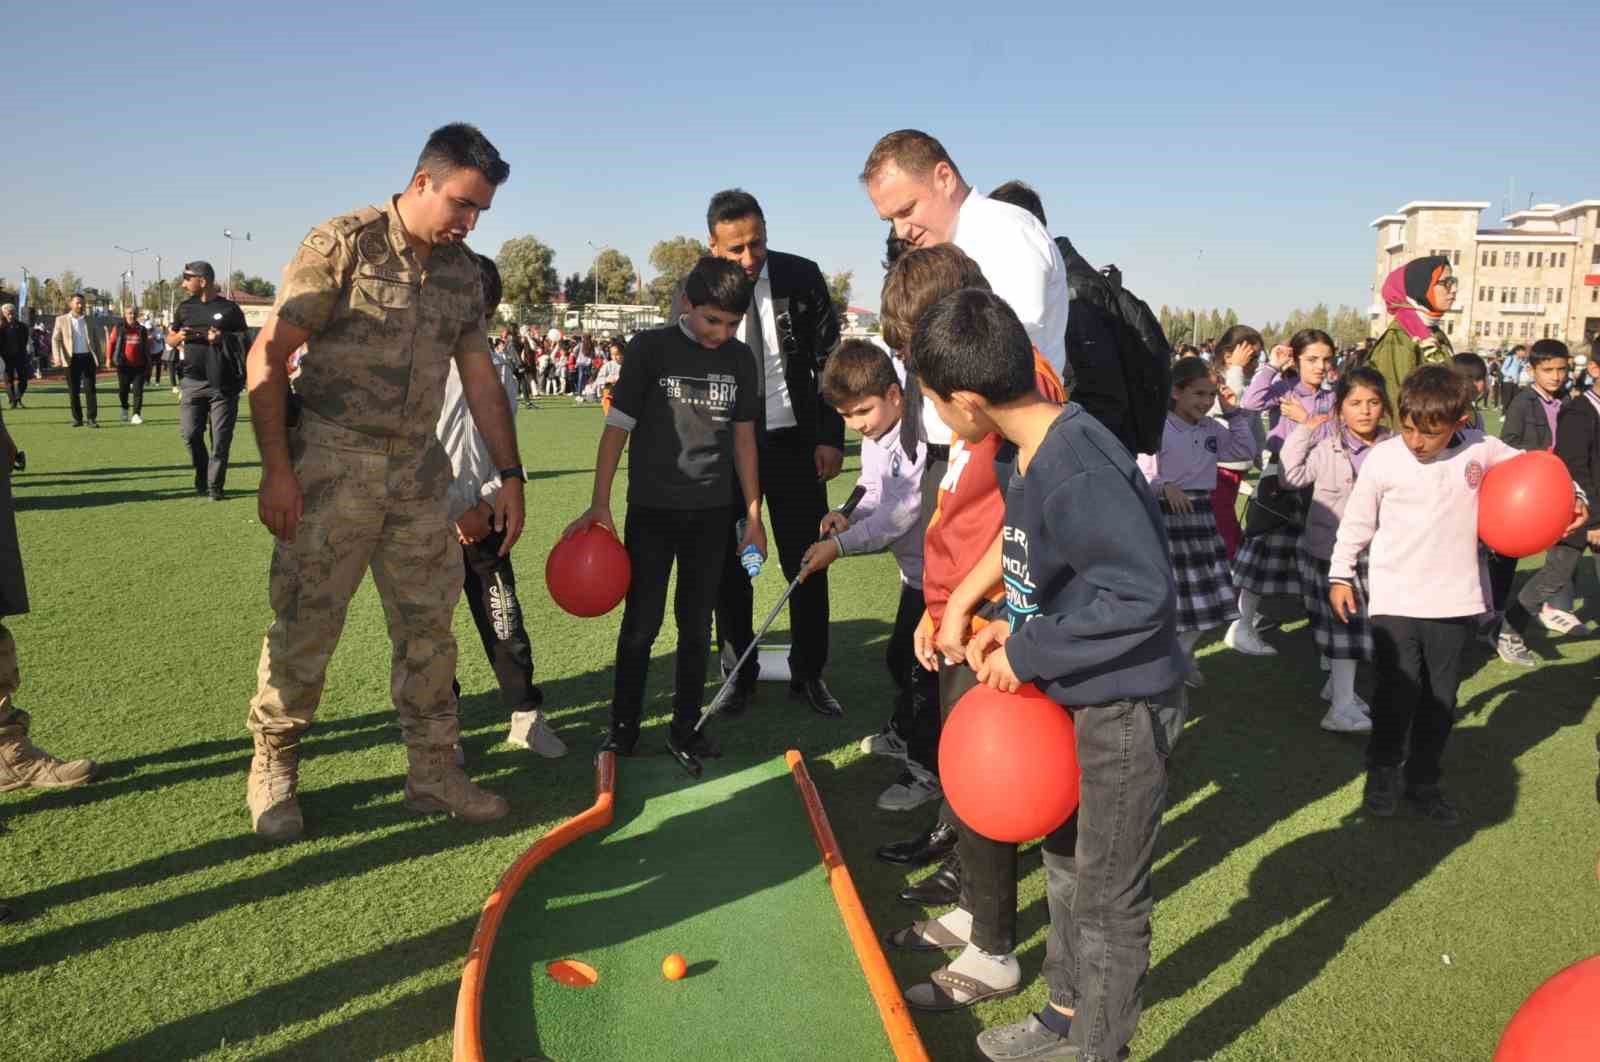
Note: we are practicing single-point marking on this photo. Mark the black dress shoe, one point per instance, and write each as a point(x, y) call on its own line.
point(816, 694)
point(688, 749)
point(919, 851)
point(938, 889)
point(620, 744)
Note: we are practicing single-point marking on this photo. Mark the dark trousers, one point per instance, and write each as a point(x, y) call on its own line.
point(80, 379)
point(202, 404)
point(1508, 391)
point(796, 504)
point(1418, 664)
point(916, 718)
point(152, 369)
point(491, 591)
point(17, 373)
point(1097, 870)
point(656, 538)
point(1552, 585)
point(131, 379)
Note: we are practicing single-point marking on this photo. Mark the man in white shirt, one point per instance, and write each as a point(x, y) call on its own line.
point(79, 345)
point(791, 329)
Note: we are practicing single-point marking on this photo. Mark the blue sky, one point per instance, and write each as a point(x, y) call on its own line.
point(1221, 154)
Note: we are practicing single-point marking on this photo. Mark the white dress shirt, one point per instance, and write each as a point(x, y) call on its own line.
point(780, 410)
point(1023, 266)
point(80, 334)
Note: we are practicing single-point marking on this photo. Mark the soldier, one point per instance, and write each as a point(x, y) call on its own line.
point(383, 299)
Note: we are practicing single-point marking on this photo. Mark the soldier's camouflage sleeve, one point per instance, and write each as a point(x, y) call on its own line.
point(313, 281)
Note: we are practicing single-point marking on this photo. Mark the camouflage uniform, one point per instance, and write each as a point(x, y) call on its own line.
point(374, 478)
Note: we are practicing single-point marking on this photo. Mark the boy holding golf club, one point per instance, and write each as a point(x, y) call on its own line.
point(688, 398)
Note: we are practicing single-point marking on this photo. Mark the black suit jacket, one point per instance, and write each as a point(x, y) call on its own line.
point(808, 334)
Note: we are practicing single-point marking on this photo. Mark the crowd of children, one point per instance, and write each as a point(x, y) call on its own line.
point(1036, 548)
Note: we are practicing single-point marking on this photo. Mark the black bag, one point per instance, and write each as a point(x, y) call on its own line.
point(1274, 507)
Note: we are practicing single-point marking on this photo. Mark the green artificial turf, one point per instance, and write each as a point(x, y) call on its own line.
point(724, 872)
point(157, 928)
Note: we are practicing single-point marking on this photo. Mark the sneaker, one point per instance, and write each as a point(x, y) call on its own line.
point(911, 791)
point(885, 743)
point(93, 423)
point(1513, 650)
point(136, 419)
point(1560, 621)
point(1382, 794)
point(176, 391)
point(1346, 719)
point(124, 416)
point(77, 424)
point(1247, 640)
point(530, 731)
point(1431, 804)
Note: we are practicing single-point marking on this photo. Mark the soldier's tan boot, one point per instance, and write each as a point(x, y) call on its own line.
point(24, 765)
point(436, 784)
point(274, 779)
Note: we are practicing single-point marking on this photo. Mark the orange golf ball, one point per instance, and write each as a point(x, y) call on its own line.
point(673, 967)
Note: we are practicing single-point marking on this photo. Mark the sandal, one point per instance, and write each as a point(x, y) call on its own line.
point(938, 994)
point(924, 936)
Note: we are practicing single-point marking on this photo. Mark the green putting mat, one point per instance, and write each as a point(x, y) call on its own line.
point(723, 870)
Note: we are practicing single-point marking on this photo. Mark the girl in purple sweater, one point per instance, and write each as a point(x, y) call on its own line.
point(1329, 468)
point(1267, 563)
point(1183, 476)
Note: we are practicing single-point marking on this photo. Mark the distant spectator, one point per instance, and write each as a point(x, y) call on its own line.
point(14, 343)
point(130, 347)
point(79, 345)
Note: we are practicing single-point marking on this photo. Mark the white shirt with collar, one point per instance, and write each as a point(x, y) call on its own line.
point(780, 410)
point(1023, 266)
point(80, 334)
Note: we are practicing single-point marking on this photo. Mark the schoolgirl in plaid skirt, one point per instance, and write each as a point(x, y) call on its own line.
point(1329, 467)
point(1183, 475)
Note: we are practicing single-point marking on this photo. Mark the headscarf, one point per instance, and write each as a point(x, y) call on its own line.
point(1413, 295)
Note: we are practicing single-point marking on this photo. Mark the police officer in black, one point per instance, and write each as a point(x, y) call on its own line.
point(209, 333)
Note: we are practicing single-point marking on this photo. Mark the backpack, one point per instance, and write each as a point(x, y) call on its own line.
point(1120, 357)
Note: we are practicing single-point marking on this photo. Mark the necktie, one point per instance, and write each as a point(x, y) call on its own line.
point(753, 337)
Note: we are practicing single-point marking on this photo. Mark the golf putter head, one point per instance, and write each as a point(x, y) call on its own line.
point(687, 760)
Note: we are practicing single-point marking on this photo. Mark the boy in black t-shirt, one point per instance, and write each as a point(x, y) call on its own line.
point(688, 395)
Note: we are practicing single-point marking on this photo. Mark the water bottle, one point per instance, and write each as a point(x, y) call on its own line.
point(750, 556)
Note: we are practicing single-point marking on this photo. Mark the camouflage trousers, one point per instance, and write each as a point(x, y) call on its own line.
point(370, 503)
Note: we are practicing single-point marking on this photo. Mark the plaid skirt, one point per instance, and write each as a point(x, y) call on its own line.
point(1199, 565)
point(1269, 563)
point(1335, 640)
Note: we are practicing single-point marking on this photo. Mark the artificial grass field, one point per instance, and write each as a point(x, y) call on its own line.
point(157, 927)
point(724, 871)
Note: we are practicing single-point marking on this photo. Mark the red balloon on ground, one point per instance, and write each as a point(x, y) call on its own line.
point(588, 573)
point(1557, 1022)
point(1008, 763)
point(1524, 504)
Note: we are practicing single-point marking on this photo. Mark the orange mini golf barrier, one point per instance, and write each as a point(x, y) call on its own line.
point(467, 1040)
point(892, 1008)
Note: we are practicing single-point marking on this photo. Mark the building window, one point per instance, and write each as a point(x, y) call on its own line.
point(1559, 296)
point(1483, 259)
point(1493, 255)
point(1455, 257)
point(1595, 258)
point(1563, 257)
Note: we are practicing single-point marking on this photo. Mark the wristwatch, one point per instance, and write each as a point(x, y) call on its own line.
point(515, 472)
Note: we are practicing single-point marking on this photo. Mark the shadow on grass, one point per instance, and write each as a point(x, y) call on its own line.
point(1334, 880)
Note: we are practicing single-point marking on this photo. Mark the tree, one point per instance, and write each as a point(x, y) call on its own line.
point(671, 259)
point(69, 284)
point(618, 280)
point(51, 299)
point(36, 296)
point(252, 285)
point(527, 272)
point(159, 297)
point(839, 292)
point(577, 289)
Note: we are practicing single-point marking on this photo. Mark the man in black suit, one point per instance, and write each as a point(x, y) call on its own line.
point(791, 329)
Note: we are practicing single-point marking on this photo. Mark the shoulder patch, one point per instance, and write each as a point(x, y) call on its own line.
point(345, 224)
point(320, 242)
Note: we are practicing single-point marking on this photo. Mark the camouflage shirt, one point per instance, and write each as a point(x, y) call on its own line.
point(383, 326)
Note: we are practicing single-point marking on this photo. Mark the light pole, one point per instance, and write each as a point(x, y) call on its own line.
point(1194, 337)
point(131, 293)
point(232, 239)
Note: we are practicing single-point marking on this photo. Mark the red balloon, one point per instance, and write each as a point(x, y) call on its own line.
point(1525, 504)
point(1557, 1022)
point(1008, 763)
point(588, 573)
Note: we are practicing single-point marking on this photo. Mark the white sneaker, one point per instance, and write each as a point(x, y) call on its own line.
point(530, 731)
point(911, 791)
point(1560, 621)
point(136, 419)
point(1363, 707)
point(1247, 641)
point(1342, 719)
point(177, 391)
point(884, 743)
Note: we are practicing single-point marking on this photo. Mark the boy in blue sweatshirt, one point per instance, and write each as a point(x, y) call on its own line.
point(1092, 609)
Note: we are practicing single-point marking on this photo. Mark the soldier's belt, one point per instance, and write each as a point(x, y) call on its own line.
point(324, 432)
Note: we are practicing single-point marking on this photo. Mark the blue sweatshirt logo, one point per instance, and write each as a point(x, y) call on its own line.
point(1021, 605)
